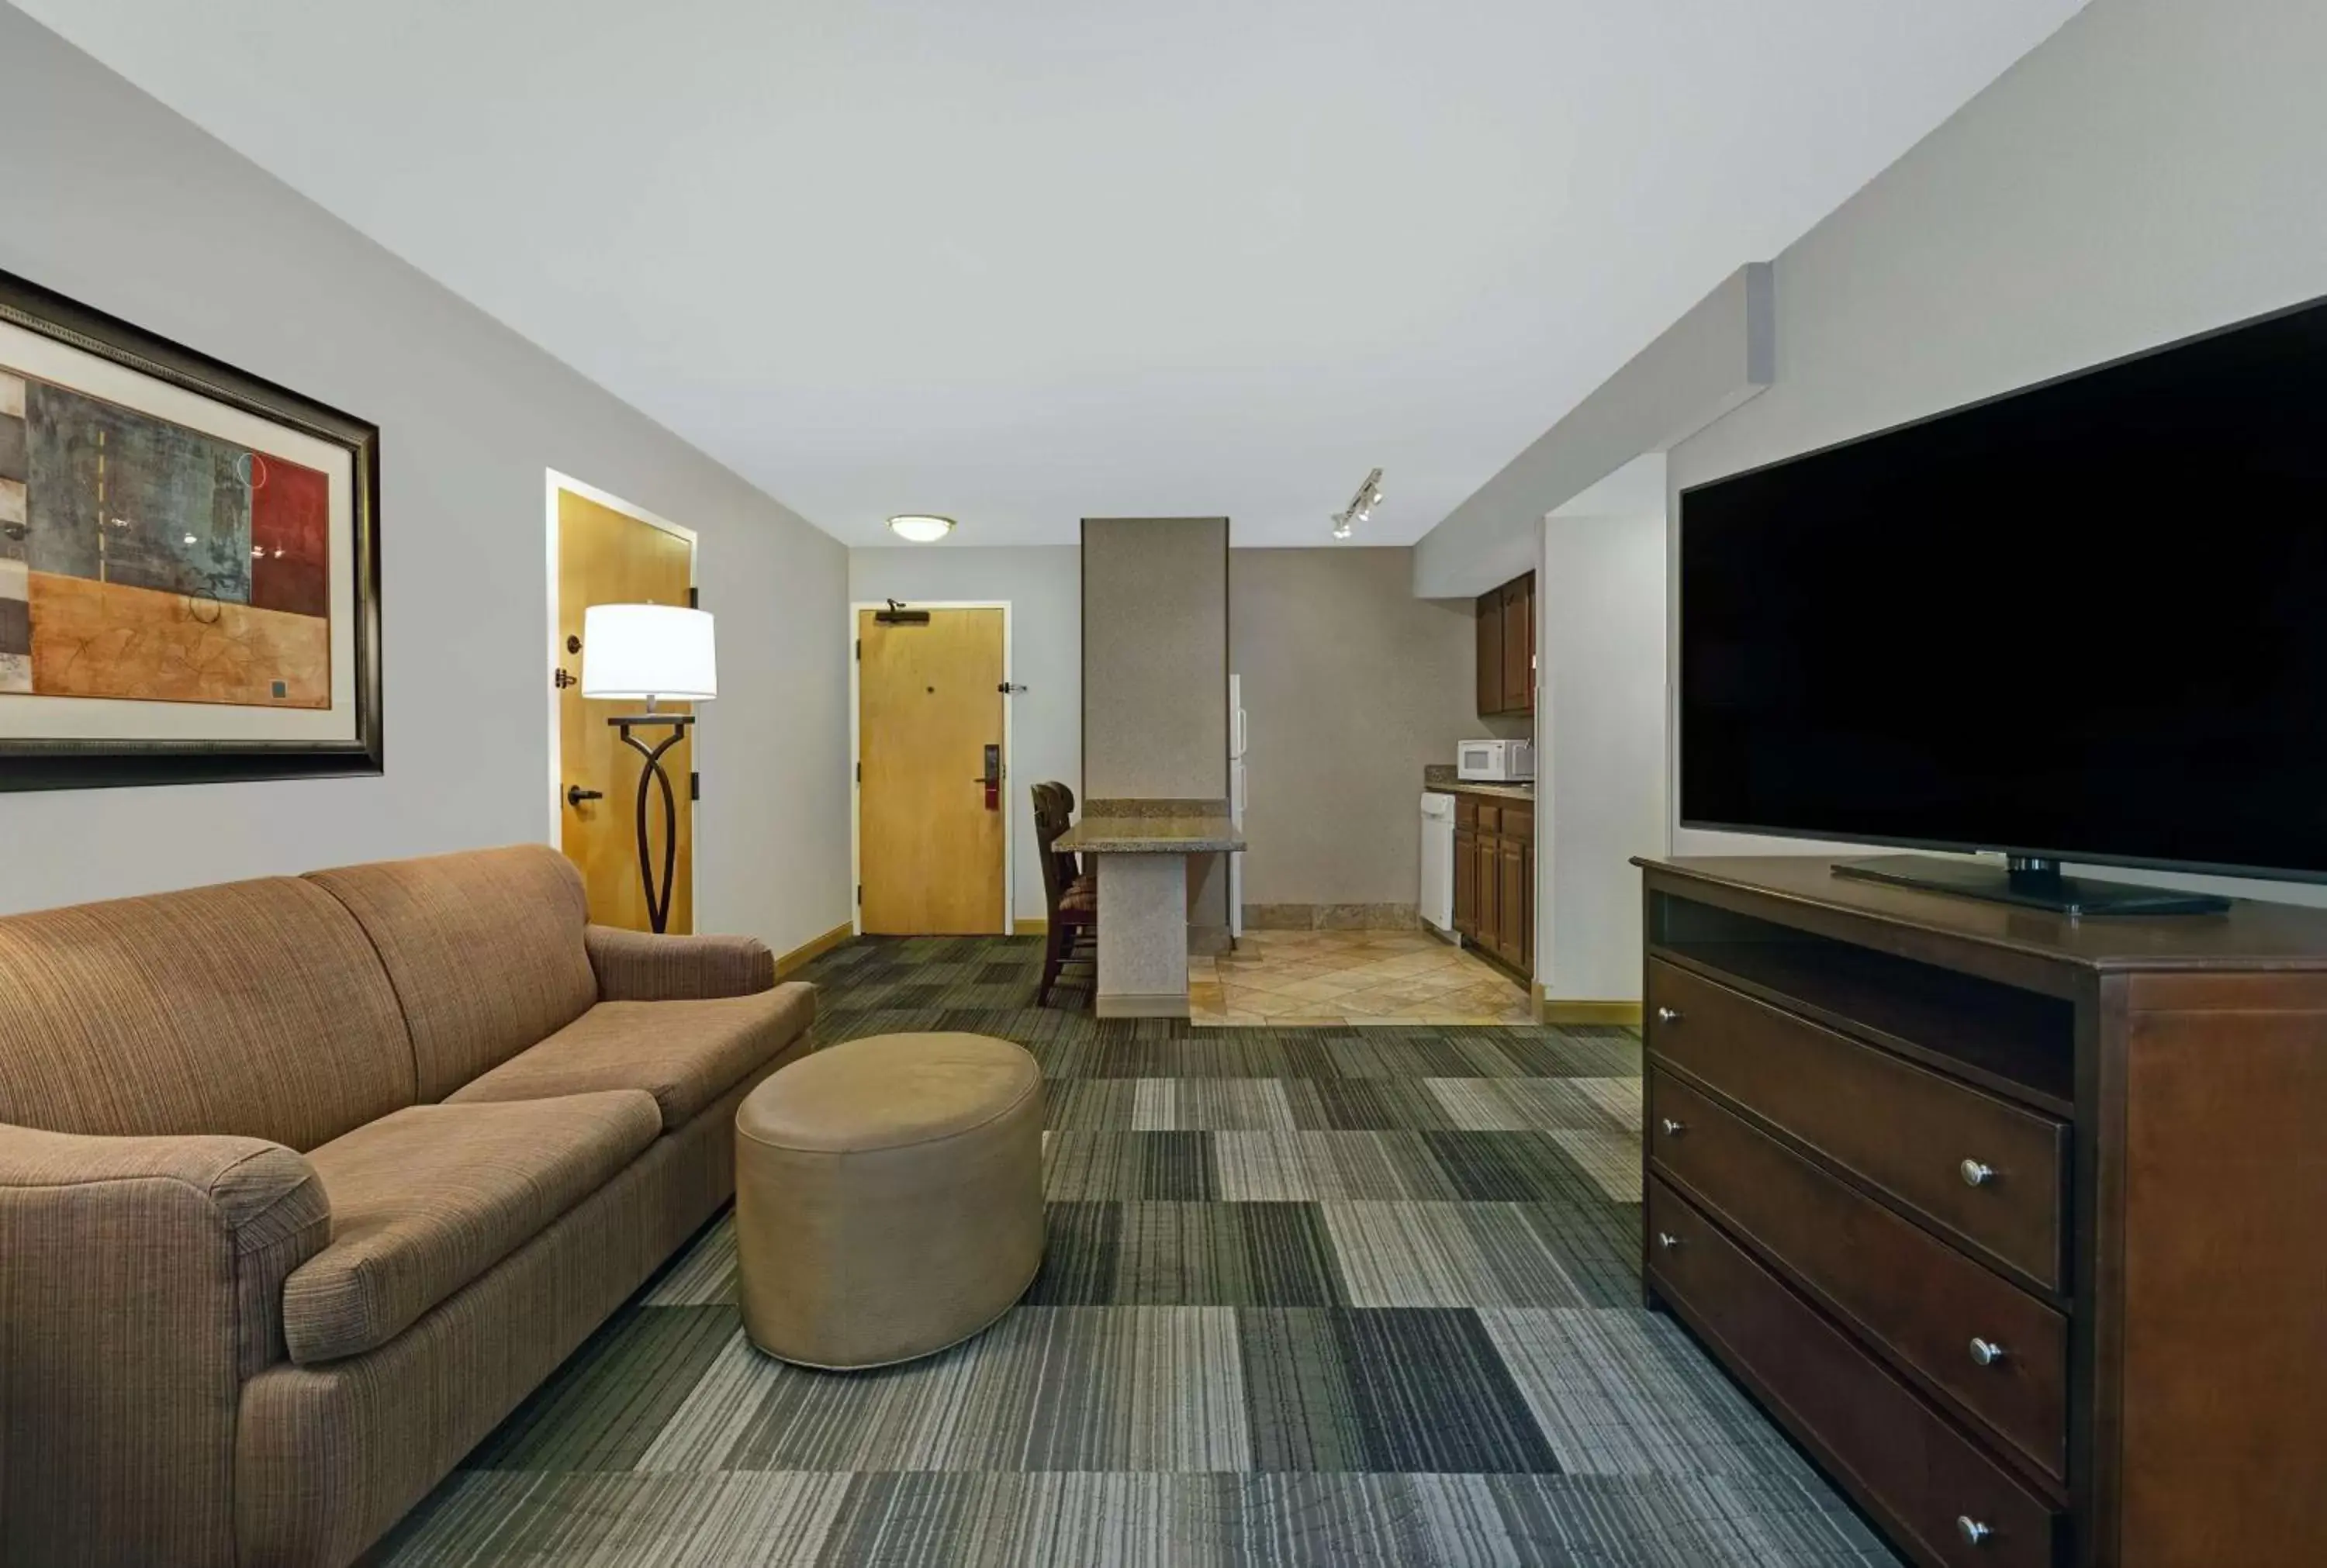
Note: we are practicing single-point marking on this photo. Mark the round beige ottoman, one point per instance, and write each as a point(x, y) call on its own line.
point(888, 1197)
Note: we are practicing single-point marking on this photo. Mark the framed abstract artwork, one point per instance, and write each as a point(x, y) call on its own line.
point(189, 564)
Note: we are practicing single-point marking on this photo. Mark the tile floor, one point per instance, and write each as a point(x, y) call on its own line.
point(1284, 978)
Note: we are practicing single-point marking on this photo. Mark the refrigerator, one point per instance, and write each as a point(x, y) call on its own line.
point(1235, 803)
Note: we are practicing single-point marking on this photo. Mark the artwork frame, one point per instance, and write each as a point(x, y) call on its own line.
point(342, 733)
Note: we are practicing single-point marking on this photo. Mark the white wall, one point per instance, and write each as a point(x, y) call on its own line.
point(109, 198)
point(2151, 171)
point(1043, 585)
point(1713, 358)
point(1601, 716)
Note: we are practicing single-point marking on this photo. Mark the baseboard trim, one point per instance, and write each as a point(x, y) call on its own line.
point(1033, 926)
point(1332, 917)
point(1564, 1010)
point(799, 957)
point(1143, 1005)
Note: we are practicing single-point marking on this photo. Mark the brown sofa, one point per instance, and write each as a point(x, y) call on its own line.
point(305, 1183)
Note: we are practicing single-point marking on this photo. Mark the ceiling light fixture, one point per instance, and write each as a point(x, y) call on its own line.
point(1360, 507)
point(921, 527)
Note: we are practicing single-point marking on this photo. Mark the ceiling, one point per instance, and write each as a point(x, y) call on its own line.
point(1025, 260)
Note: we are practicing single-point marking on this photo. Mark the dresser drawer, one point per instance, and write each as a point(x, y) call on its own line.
point(1918, 1136)
point(1903, 1459)
point(1930, 1307)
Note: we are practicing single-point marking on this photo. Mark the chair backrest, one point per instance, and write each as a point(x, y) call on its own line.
point(1053, 810)
point(1070, 865)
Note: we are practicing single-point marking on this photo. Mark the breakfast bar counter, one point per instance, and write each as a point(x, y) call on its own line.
point(1140, 850)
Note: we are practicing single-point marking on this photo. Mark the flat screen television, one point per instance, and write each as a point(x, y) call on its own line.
point(2082, 622)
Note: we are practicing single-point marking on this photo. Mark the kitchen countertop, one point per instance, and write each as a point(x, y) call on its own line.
point(1193, 833)
point(1439, 778)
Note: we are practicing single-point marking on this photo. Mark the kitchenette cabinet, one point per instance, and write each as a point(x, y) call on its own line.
point(1494, 878)
point(1507, 649)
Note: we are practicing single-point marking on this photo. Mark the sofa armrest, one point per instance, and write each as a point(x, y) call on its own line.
point(634, 967)
point(141, 1283)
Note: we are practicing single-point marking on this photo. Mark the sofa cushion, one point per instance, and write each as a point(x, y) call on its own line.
point(485, 949)
point(254, 1010)
point(427, 1199)
point(685, 1054)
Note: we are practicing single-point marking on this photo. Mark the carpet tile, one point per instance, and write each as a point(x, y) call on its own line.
point(1475, 1104)
point(1611, 1160)
point(1431, 1394)
point(1221, 1254)
point(1083, 1166)
point(1314, 1167)
point(1333, 1296)
point(1446, 1254)
point(1621, 1393)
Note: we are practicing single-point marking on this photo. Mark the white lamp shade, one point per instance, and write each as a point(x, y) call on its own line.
point(647, 651)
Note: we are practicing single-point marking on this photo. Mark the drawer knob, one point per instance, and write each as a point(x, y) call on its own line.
point(1673, 1129)
point(1667, 1015)
point(1986, 1352)
point(1974, 1533)
point(1668, 1240)
point(1975, 1174)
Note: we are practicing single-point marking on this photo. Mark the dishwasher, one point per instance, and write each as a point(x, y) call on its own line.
point(1436, 903)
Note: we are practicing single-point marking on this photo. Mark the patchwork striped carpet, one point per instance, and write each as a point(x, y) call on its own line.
point(1312, 1296)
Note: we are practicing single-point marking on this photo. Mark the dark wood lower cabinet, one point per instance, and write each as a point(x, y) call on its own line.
point(1494, 879)
point(2016, 1223)
point(1466, 881)
point(1514, 873)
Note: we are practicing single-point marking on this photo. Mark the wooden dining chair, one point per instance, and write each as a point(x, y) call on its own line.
point(1072, 936)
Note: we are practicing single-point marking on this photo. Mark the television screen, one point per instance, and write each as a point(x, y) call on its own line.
point(2087, 621)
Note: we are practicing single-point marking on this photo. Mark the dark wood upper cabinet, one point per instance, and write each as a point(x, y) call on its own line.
point(1507, 649)
point(1518, 646)
point(1490, 652)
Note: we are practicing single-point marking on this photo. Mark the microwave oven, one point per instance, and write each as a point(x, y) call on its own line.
point(1499, 760)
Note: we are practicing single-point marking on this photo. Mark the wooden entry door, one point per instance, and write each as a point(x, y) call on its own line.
point(607, 557)
point(930, 846)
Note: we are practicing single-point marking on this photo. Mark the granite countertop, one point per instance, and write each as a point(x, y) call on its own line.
point(1153, 827)
point(1440, 779)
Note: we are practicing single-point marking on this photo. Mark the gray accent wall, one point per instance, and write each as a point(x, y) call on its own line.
point(1155, 670)
point(2150, 171)
point(1352, 686)
point(109, 197)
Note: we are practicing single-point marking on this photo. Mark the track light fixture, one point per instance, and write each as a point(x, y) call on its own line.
point(1360, 507)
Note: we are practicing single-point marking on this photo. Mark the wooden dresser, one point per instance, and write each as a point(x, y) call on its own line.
point(2017, 1223)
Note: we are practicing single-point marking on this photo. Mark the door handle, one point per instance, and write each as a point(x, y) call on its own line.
point(576, 795)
